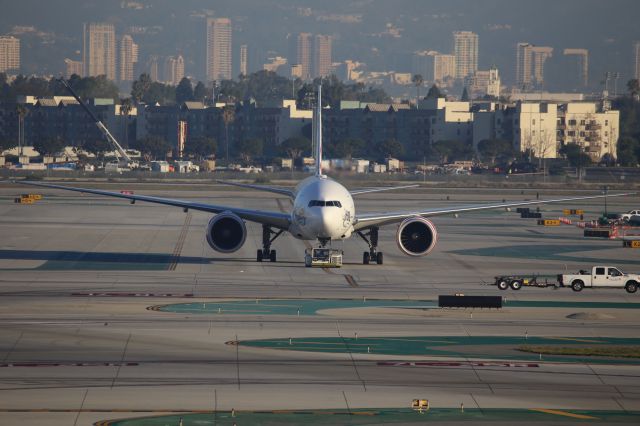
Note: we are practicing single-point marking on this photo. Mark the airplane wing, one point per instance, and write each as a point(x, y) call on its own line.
point(368, 220)
point(275, 190)
point(380, 189)
point(277, 220)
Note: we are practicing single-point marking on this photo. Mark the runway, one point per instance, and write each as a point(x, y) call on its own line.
point(81, 342)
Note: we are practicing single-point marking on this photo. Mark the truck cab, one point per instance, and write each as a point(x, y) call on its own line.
point(602, 276)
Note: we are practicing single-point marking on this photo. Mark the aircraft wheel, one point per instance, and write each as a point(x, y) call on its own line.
point(379, 258)
point(272, 256)
point(366, 258)
point(259, 256)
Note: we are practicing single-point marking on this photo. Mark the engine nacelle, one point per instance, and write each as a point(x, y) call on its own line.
point(417, 236)
point(226, 232)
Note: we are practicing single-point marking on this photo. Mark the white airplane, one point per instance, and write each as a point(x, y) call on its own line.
point(323, 211)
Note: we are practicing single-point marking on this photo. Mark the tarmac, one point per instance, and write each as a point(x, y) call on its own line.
point(116, 311)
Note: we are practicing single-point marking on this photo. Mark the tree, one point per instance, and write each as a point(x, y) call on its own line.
point(49, 146)
point(434, 92)
point(418, 81)
point(628, 151)
point(153, 146)
point(140, 87)
point(199, 92)
point(465, 95)
point(490, 149)
point(200, 147)
point(450, 150)
point(6, 144)
point(295, 147)
point(125, 110)
point(634, 87)
point(249, 148)
point(97, 147)
point(184, 91)
point(345, 148)
point(575, 155)
point(389, 148)
point(228, 116)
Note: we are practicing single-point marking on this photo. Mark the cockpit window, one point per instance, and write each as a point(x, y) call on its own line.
point(321, 203)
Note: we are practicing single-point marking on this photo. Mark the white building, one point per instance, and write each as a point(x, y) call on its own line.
point(534, 127)
point(595, 130)
point(544, 128)
point(9, 53)
point(452, 120)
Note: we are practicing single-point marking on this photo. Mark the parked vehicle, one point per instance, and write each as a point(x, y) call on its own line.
point(630, 214)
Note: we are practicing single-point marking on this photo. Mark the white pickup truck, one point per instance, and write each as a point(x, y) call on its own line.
point(601, 276)
point(628, 215)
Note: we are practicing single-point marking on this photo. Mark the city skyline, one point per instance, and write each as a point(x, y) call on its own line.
point(567, 65)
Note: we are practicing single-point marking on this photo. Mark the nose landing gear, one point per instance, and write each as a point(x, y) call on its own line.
point(373, 255)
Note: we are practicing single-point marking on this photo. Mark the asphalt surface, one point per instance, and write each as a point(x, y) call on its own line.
point(81, 341)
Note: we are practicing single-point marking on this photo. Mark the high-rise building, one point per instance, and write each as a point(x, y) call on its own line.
point(9, 53)
point(582, 56)
point(540, 56)
point(422, 64)
point(173, 69)
point(243, 59)
point(219, 49)
point(72, 67)
point(444, 67)
point(524, 59)
point(99, 50)
point(154, 68)
point(530, 61)
point(636, 49)
point(303, 57)
point(321, 56)
point(128, 58)
point(466, 52)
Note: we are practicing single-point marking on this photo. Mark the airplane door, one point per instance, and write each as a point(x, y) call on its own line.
point(600, 277)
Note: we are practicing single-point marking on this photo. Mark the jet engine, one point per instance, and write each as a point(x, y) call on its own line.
point(226, 232)
point(416, 236)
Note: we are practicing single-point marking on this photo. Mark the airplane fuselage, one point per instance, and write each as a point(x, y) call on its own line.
point(323, 209)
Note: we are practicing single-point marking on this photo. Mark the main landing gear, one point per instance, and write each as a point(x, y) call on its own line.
point(373, 255)
point(268, 237)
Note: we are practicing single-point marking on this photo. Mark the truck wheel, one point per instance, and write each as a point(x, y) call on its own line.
point(307, 261)
point(503, 285)
point(516, 284)
point(577, 285)
point(631, 287)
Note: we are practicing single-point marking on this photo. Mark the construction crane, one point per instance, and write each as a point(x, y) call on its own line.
point(124, 159)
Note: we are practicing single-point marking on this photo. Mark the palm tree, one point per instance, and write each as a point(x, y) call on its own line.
point(418, 81)
point(125, 110)
point(228, 115)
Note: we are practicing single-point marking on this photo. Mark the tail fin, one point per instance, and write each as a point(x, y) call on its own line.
point(317, 132)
